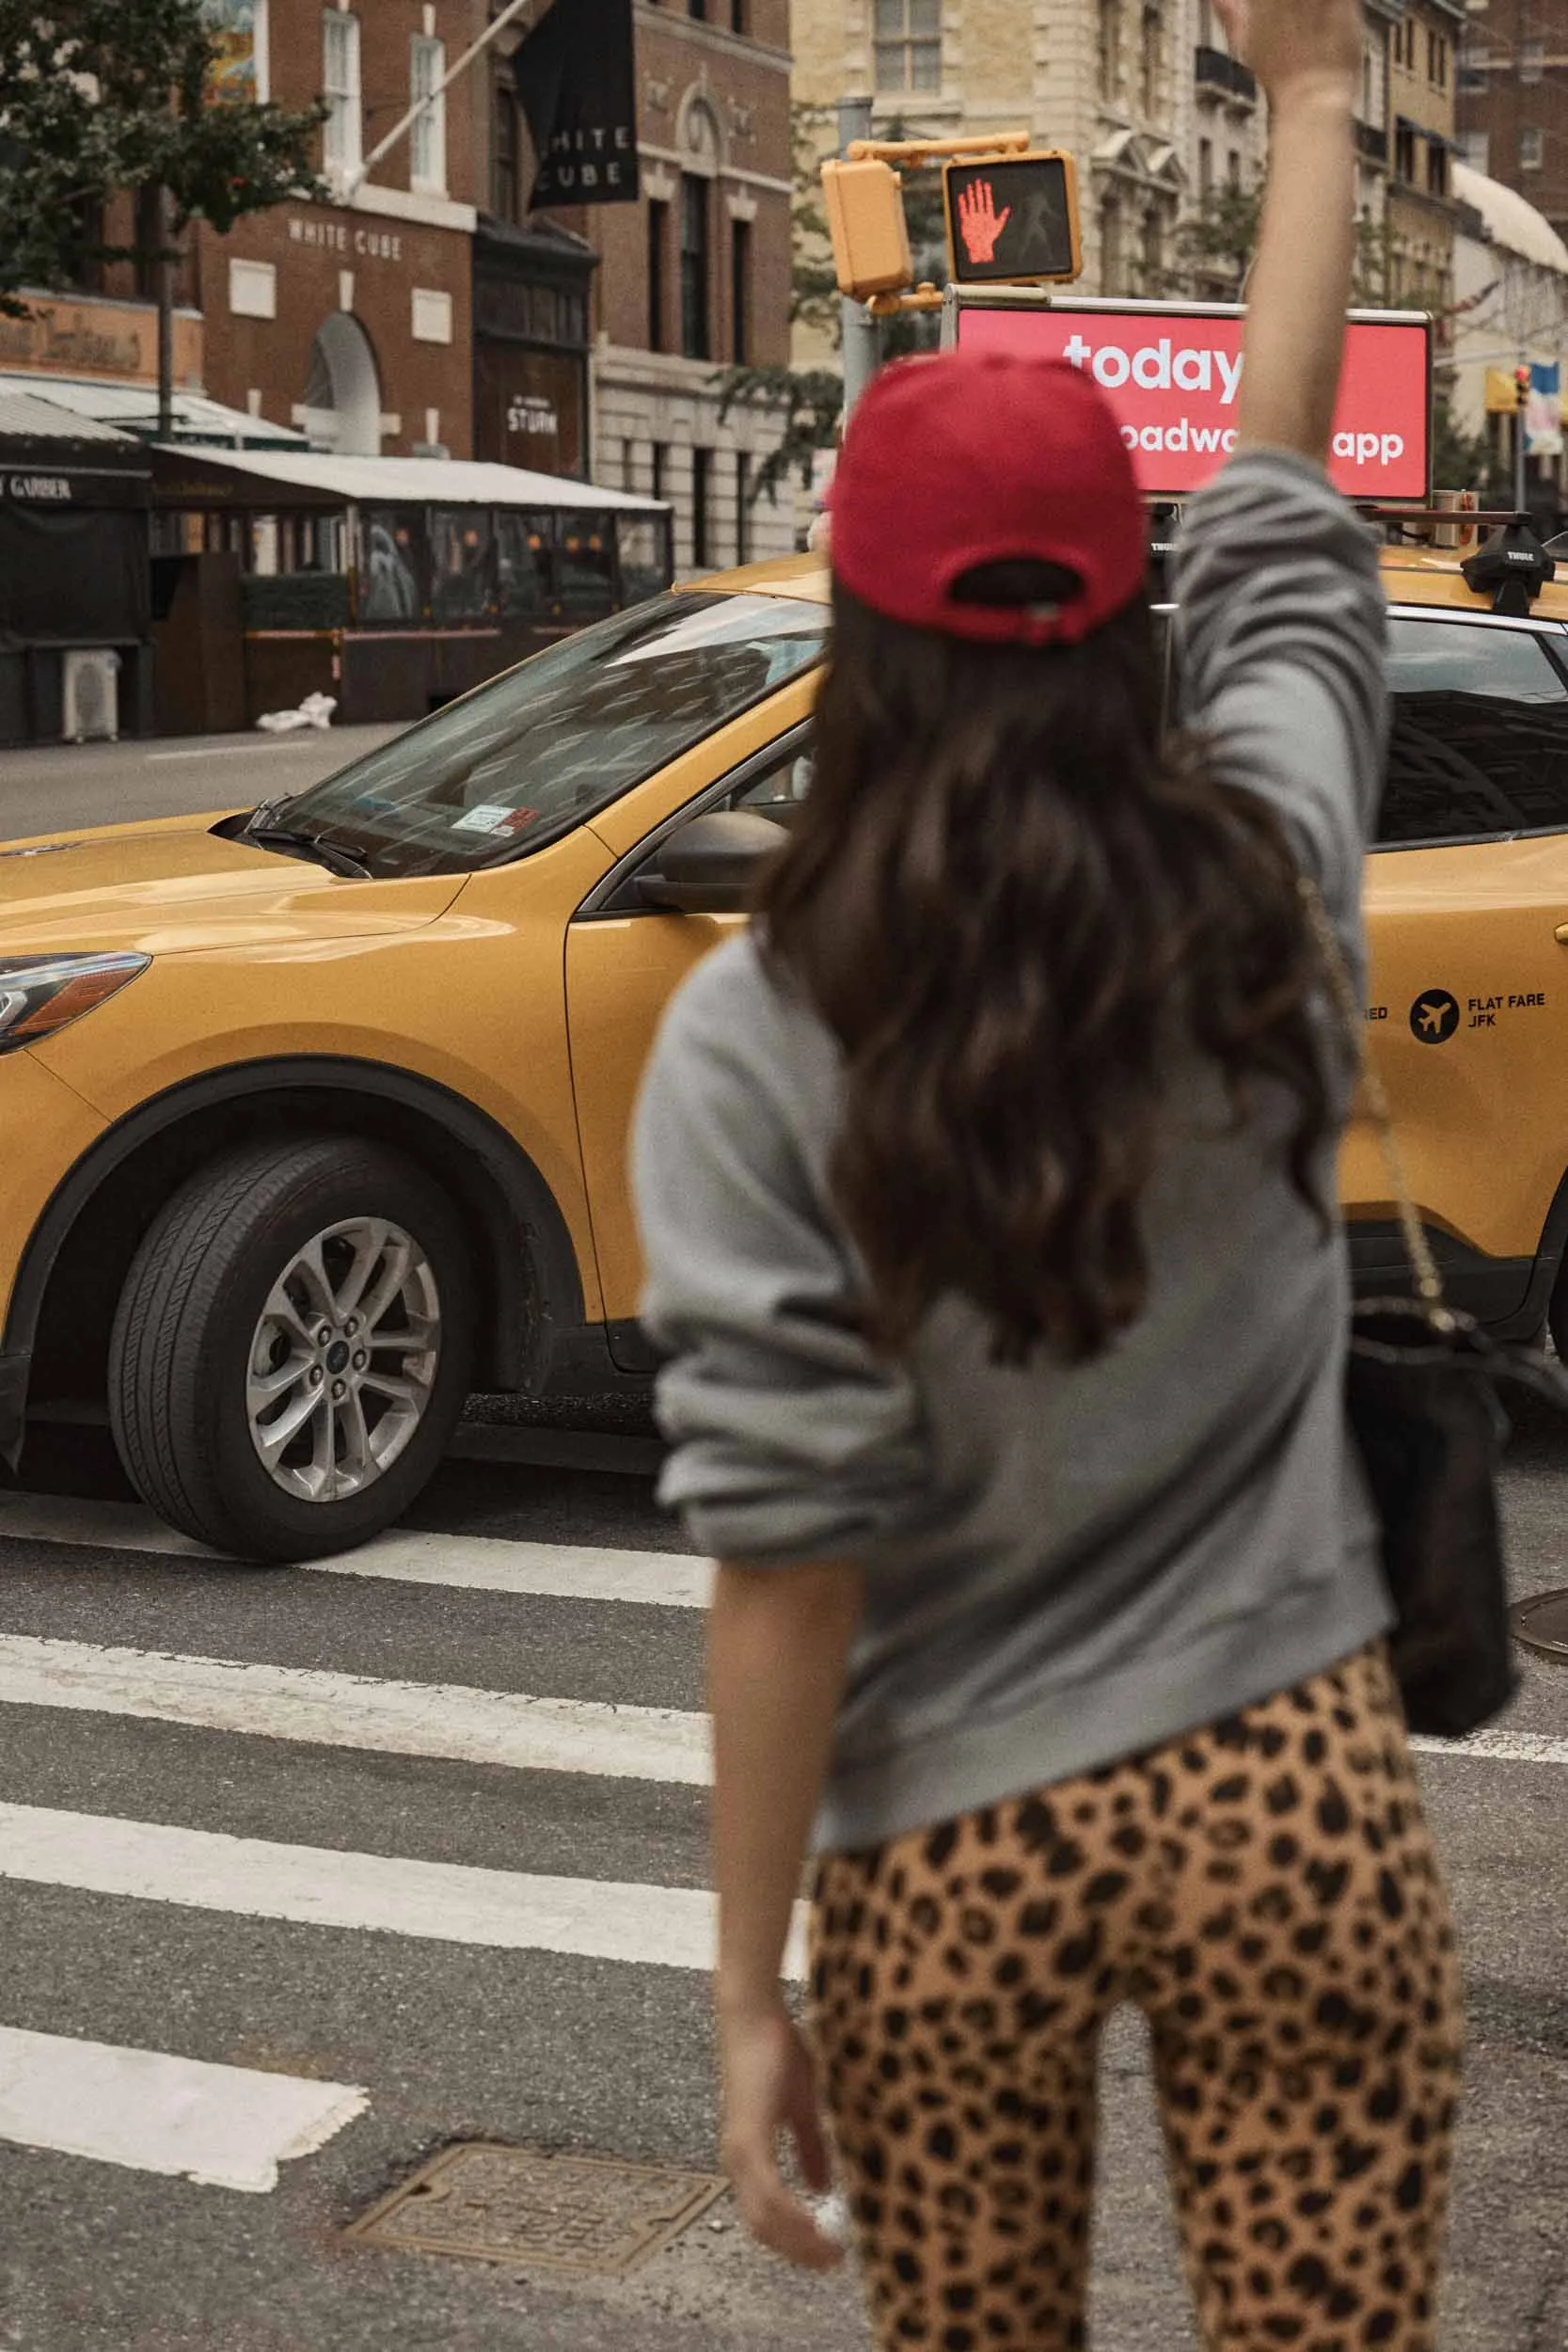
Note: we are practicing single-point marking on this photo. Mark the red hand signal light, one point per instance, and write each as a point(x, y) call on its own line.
point(979, 223)
point(1013, 219)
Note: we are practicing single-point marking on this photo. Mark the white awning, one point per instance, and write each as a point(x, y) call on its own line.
point(1512, 219)
point(133, 408)
point(422, 481)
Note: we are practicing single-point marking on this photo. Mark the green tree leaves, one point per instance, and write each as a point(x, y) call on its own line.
point(100, 96)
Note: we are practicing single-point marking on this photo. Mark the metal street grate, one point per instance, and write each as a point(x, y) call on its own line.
point(1542, 1624)
point(484, 2202)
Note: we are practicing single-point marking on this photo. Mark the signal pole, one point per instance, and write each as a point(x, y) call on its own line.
point(861, 333)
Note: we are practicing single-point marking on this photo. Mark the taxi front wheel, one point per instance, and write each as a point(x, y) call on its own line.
point(292, 1348)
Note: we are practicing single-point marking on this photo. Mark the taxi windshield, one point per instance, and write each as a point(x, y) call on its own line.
point(521, 761)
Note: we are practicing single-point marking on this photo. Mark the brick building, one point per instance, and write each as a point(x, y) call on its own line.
point(691, 279)
point(349, 319)
point(1514, 100)
point(353, 320)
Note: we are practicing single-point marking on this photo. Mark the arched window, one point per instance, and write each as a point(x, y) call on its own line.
point(342, 391)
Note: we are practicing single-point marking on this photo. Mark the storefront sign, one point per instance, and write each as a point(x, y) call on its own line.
point(578, 80)
point(1173, 377)
point(530, 408)
point(528, 413)
point(98, 338)
point(48, 489)
point(327, 235)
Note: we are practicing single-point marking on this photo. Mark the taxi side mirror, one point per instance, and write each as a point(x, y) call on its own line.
point(710, 865)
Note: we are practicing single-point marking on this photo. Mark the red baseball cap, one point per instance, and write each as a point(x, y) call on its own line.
point(958, 458)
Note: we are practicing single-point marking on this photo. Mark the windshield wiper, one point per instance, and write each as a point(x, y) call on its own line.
point(298, 842)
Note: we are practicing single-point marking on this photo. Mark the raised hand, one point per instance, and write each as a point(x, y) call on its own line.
point(979, 223)
point(1293, 43)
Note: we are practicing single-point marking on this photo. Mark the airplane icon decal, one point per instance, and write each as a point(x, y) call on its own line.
point(1434, 1016)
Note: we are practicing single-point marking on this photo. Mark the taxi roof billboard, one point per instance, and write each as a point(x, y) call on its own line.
point(1173, 373)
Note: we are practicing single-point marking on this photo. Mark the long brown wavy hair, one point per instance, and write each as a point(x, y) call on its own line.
point(1018, 904)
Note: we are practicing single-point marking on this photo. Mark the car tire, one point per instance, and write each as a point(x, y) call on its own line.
point(231, 1333)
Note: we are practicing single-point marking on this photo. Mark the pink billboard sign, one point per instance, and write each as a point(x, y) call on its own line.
point(1174, 378)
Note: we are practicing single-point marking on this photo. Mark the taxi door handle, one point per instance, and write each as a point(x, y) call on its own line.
point(1561, 935)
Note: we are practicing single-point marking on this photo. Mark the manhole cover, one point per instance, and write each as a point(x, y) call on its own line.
point(543, 2212)
point(1542, 1624)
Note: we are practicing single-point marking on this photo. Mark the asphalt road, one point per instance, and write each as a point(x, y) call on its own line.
point(59, 787)
point(453, 2038)
point(450, 2034)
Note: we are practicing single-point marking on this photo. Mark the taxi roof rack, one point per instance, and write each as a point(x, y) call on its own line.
point(1511, 568)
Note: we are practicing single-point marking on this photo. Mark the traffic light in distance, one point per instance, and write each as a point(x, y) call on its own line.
point(865, 220)
point(1013, 221)
point(1522, 386)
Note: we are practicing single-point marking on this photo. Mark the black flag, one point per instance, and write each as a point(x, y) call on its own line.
point(576, 77)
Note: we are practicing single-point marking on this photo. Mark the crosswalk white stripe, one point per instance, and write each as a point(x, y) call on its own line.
point(488, 1564)
point(446, 1903)
point(225, 2126)
point(344, 1710)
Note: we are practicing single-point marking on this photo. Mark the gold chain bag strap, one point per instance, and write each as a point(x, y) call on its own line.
point(1421, 1393)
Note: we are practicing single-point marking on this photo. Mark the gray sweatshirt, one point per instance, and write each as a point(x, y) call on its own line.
point(1063, 1566)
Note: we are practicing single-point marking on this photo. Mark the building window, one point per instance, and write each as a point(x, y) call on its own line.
point(1477, 152)
point(1152, 59)
point(695, 335)
point(697, 8)
point(661, 469)
point(1110, 248)
point(1437, 169)
point(658, 232)
point(344, 144)
point(428, 139)
point(1110, 51)
point(505, 193)
point(1405, 152)
point(1532, 148)
point(742, 507)
point(1154, 255)
point(1233, 168)
point(1532, 62)
point(740, 293)
point(739, 15)
point(908, 44)
point(1205, 166)
point(1437, 62)
point(701, 485)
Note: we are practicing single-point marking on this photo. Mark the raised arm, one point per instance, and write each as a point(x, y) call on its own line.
point(1307, 53)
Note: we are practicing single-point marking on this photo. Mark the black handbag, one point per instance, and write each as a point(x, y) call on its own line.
point(1423, 1396)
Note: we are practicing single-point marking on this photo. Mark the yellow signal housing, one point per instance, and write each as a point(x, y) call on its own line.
point(865, 220)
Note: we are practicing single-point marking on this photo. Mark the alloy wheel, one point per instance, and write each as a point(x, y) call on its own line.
point(344, 1359)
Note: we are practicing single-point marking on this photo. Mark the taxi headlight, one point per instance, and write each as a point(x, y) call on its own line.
point(39, 995)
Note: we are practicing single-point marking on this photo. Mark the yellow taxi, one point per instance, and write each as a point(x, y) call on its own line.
point(314, 1116)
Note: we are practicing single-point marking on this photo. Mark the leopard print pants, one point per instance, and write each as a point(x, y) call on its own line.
point(1266, 1892)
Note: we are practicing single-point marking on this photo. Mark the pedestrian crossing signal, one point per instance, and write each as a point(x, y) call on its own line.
point(1013, 220)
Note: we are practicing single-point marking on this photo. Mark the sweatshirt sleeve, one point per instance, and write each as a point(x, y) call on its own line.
point(1282, 627)
point(791, 1442)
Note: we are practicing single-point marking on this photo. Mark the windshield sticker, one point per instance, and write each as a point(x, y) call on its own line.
point(1434, 1016)
point(486, 817)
